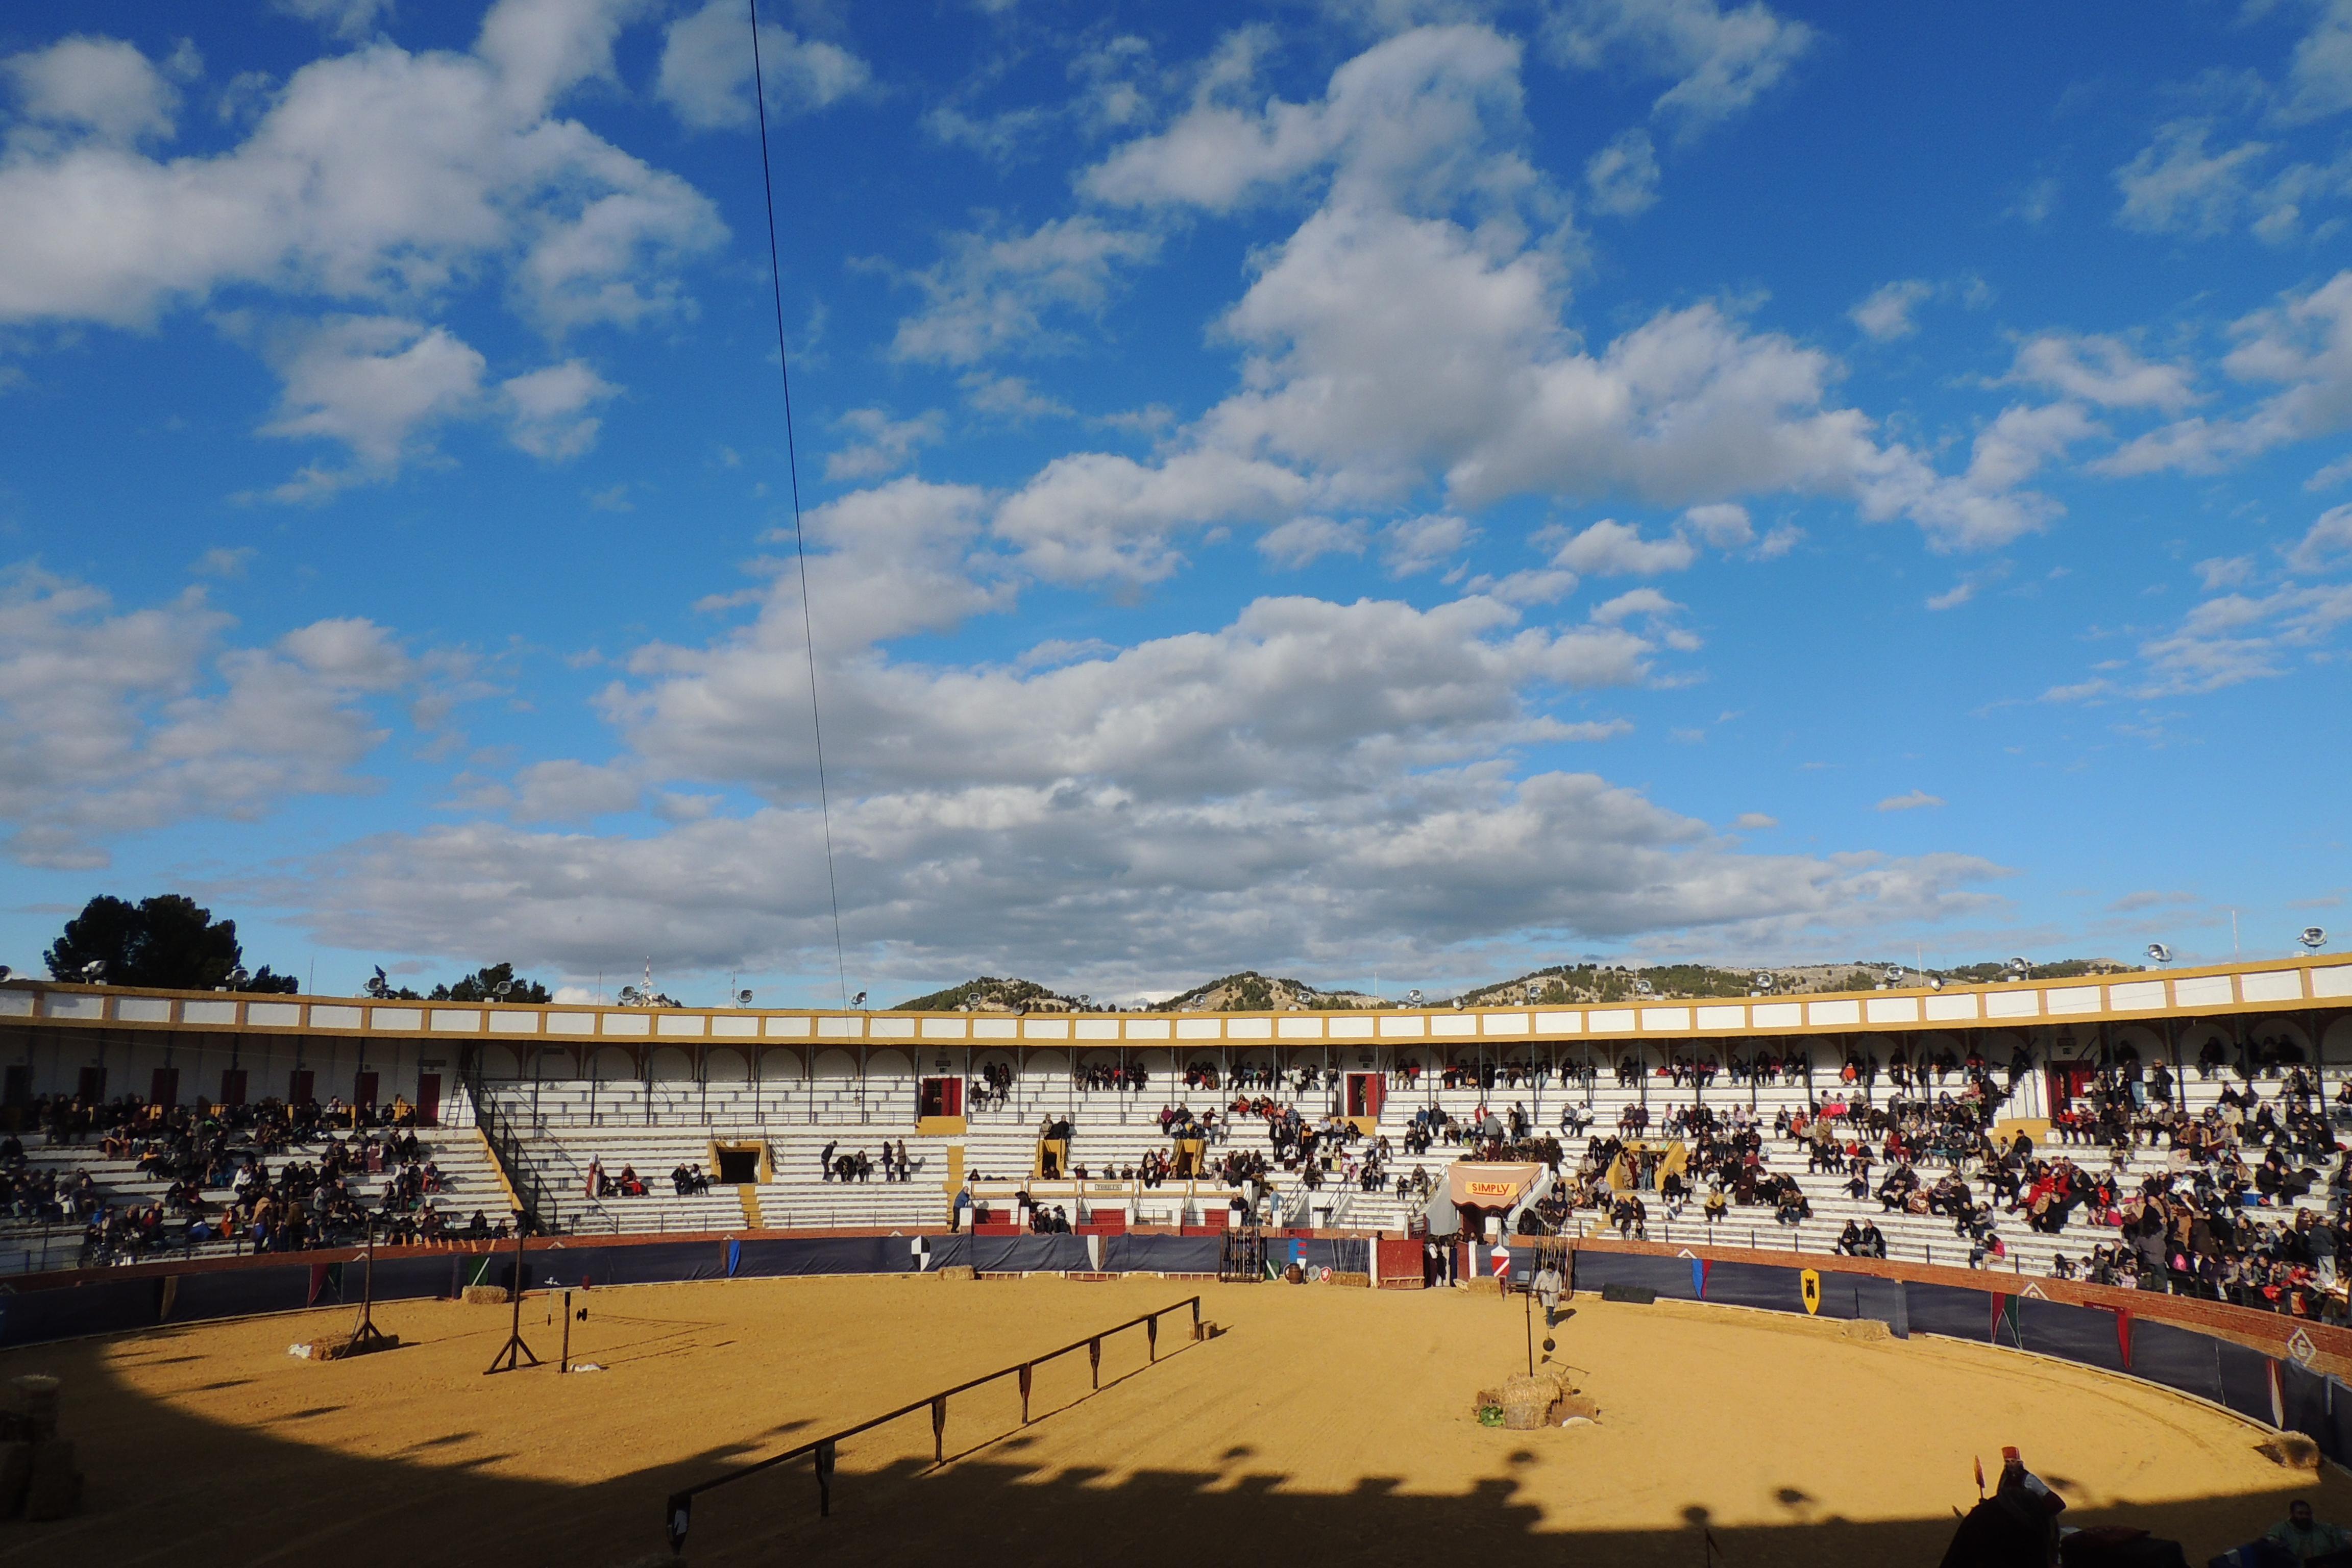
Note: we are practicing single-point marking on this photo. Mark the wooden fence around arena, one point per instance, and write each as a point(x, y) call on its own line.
point(679, 1511)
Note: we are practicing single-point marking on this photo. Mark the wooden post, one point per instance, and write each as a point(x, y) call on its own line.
point(1094, 1359)
point(1151, 1334)
point(939, 1430)
point(1025, 1371)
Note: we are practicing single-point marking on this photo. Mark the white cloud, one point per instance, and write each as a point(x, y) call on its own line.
point(377, 385)
point(568, 791)
point(2102, 370)
point(2235, 638)
point(2324, 547)
point(2319, 78)
point(1631, 602)
point(1723, 59)
point(1916, 800)
point(994, 292)
point(1885, 316)
point(1080, 880)
point(1409, 120)
point(1196, 794)
point(1009, 397)
point(882, 445)
point(100, 86)
point(2173, 186)
point(1623, 177)
point(121, 721)
point(1613, 549)
point(373, 177)
point(2302, 346)
point(1723, 524)
point(706, 69)
point(1754, 822)
point(351, 19)
point(223, 560)
point(1953, 597)
point(1387, 342)
point(2081, 691)
point(1417, 544)
point(547, 409)
point(2224, 572)
point(1303, 540)
point(1093, 516)
point(2012, 448)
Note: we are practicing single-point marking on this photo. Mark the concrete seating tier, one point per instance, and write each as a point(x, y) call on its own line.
point(471, 1180)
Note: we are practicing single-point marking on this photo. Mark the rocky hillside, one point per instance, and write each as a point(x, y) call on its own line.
point(1563, 984)
point(1250, 992)
point(989, 994)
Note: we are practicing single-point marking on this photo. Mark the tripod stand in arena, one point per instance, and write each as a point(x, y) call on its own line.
point(514, 1353)
point(367, 1337)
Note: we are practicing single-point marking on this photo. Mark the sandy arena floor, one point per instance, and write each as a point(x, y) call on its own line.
point(1328, 1421)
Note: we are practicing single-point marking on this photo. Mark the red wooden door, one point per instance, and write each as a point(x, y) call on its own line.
point(363, 1090)
point(428, 1099)
point(92, 1087)
point(2068, 1080)
point(165, 1089)
point(232, 1086)
point(301, 1088)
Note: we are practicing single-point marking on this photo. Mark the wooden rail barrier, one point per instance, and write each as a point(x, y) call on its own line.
point(679, 1512)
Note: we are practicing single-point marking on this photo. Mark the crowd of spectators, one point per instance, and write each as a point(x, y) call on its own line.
point(270, 1175)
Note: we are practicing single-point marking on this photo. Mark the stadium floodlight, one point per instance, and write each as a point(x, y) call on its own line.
point(94, 971)
point(2158, 954)
point(2019, 968)
point(1895, 974)
point(238, 978)
point(1644, 988)
point(859, 1000)
point(1933, 983)
point(5, 971)
point(1763, 978)
point(743, 998)
point(501, 991)
point(1412, 998)
point(631, 997)
point(1457, 1004)
point(2313, 939)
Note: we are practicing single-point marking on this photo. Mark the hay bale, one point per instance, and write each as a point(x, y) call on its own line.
point(55, 1489)
point(37, 1398)
point(1867, 1329)
point(1526, 1403)
point(487, 1296)
point(2290, 1450)
point(1362, 1281)
point(16, 1475)
point(1486, 1285)
point(956, 1271)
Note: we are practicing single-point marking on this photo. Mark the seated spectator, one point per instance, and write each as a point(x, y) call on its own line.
point(2310, 1540)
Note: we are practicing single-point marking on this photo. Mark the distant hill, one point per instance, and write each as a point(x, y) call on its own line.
point(1250, 992)
point(1563, 984)
point(989, 994)
point(1590, 983)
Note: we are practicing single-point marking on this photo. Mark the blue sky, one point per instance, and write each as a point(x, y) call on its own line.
point(1428, 489)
